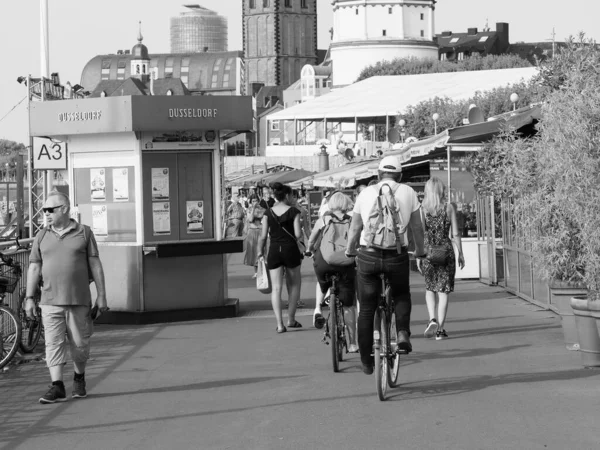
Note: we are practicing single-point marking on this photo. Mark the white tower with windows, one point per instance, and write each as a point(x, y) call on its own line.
point(140, 61)
point(366, 32)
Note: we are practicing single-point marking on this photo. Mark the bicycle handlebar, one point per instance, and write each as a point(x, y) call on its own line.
point(7, 259)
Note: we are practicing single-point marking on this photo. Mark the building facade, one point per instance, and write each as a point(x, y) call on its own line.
point(198, 30)
point(280, 37)
point(458, 46)
point(366, 32)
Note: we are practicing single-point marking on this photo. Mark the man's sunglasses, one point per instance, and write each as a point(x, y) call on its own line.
point(50, 209)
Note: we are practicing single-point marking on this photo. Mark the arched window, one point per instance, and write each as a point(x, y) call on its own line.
point(170, 92)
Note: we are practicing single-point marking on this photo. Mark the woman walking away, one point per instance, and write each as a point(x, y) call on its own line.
point(441, 228)
point(339, 205)
point(253, 230)
point(282, 224)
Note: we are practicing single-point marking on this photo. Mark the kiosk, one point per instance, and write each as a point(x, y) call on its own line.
point(146, 173)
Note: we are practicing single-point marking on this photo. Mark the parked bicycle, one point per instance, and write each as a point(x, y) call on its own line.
point(10, 324)
point(387, 356)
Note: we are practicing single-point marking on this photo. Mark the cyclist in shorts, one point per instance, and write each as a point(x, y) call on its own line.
point(371, 261)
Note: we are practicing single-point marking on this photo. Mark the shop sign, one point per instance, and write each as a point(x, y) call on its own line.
point(49, 155)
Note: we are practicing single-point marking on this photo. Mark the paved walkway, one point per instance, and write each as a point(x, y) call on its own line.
point(503, 381)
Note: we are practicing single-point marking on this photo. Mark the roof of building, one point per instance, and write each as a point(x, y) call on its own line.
point(479, 41)
point(135, 86)
point(206, 71)
point(387, 95)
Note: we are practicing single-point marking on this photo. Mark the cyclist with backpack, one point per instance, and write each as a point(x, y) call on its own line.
point(381, 216)
point(328, 242)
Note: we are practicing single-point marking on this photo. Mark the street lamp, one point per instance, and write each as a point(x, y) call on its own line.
point(435, 118)
point(514, 98)
point(402, 124)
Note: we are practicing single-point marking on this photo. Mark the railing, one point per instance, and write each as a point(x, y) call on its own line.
point(21, 256)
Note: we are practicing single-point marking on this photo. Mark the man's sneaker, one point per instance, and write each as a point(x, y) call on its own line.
point(367, 368)
point(55, 394)
point(79, 389)
point(431, 329)
point(441, 334)
point(403, 342)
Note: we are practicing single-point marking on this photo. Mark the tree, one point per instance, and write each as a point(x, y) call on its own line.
point(9, 151)
point(415, 66)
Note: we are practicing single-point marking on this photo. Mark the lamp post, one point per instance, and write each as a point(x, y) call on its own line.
point(514, 98)
point(435, 118)
point(371, 132)
point(402, 124)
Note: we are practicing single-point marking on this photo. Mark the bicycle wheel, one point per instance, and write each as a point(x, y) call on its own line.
point(31, 329)
point(334, 332)
point(394, 357)
point(341, 329)
point(380, 333)
point(10, 334)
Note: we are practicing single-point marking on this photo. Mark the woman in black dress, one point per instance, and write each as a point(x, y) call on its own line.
point(282, 224)
point(441, 228)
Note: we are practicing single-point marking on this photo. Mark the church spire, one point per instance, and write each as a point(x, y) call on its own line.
point(140, 37)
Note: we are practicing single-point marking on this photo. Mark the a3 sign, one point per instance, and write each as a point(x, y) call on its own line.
point(49, 154)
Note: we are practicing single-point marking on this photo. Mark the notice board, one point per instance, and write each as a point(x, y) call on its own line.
point(105, 201)
point(177, 196)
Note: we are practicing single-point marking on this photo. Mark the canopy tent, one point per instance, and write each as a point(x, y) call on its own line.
point(262, 179)
point(383, 96)
point(468, 137)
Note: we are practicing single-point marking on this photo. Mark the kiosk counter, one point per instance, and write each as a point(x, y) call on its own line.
point(146, 173)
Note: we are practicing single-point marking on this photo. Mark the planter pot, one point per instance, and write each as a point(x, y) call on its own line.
point(560, 301)
point(587, 314)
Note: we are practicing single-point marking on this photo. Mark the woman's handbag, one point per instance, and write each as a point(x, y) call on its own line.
point(263, 280)
point(436, 254)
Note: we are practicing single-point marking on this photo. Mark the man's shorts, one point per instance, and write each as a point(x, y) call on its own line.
point(61, 322)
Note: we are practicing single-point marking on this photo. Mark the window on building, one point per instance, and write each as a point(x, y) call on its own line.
point(106, 69)
point(356, 10)
point(390, 10)
point(275, 125)
point(303, 4)
point(422, 33)
point(121, 70)
point(483, 38)
point(454, 40)
point(384, 32)
point(288, 3)
point(169, 68)
point(422, 16)
point(461, 56)
point(443, 57)
point(266, 3)
point(252, 4)
point(214, 81)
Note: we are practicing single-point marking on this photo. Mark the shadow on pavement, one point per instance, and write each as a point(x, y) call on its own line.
point(442, 387)
point(460, 353)
point(502, 330)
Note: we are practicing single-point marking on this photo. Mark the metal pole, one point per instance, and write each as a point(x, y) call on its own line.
point(449, 172)
point(20, 193)
point(44, 39)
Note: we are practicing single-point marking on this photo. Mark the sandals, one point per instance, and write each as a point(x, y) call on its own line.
point(296, 324)
point(281, 330)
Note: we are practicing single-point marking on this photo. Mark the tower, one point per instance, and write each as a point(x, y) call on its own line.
point(140, 60)
point(280, 37)
point(369, 31)
point(198, 30)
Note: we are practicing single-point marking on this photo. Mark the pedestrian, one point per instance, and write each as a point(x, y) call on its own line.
point(267, 200)
point(282, 224)
point(235, 218)
point(64, 255)
point(253, 229)
point(304, 225)
point(441, 229)
point(339, 205)
point(389, 257)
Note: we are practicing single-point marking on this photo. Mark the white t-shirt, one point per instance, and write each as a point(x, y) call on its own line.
point(406, 199)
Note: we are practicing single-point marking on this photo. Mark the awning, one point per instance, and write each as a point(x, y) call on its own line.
point(388, 95)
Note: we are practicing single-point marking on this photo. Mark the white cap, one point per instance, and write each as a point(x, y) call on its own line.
point(390, 164)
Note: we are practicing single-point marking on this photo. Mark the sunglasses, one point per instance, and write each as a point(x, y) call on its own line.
point(51, 209)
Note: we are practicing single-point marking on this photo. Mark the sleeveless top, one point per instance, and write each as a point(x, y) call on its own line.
point(277, 224)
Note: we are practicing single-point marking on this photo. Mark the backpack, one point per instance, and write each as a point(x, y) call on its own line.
point(384, 228)
point(86, 235)
point(334, 240)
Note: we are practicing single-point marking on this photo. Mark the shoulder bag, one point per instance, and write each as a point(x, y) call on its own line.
point(300, 244)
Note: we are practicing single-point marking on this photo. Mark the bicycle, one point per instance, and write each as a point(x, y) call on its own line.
point(10, 325)
point(335, 328)
point(385, 351)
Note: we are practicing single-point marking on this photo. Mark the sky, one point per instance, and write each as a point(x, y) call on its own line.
point(82, 29)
